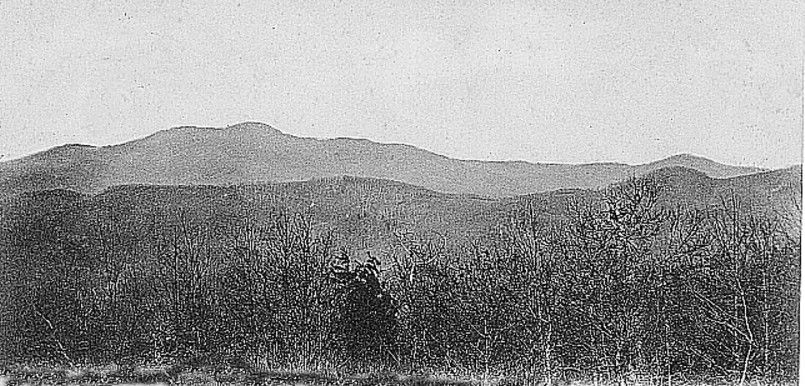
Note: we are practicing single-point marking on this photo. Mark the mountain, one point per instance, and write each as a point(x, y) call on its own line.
point(771, 192)
point(251, 153)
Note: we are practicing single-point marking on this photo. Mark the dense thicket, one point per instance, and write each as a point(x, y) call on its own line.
point(615, 287)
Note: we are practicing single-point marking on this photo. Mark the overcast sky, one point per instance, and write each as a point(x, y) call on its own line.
point(542, 81)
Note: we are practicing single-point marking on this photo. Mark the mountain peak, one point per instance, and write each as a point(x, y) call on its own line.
point(685, 157)
point(182, 133)
point(248, 125)
point(705, 165)
point(252, 125)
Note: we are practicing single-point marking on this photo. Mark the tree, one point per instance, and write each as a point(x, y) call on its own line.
point(366, 320)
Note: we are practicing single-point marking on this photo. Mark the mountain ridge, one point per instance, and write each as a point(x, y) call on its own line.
point(269, 128)
point(252, 152)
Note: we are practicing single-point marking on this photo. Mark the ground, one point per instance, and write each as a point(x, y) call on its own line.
point(165, 375)
point(117, 375)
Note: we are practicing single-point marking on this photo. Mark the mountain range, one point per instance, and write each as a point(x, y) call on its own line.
point(254, 153)
point(366, 195)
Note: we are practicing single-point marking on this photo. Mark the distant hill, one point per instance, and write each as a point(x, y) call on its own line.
point(777, 192)
point(251, 153)
point(366, 213)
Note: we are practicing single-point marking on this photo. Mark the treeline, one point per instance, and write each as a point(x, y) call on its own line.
point(616, 287)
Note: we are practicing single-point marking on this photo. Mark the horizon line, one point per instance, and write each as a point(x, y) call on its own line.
point(271, 127)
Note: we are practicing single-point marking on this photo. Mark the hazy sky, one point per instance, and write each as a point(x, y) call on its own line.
point(543, 81)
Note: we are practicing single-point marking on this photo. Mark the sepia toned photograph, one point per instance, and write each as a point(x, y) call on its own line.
point(413, 193)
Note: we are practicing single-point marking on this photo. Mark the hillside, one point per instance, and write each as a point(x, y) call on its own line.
point(366, 213)
point(252, 153)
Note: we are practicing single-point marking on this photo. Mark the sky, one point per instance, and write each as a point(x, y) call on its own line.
point(540, 81)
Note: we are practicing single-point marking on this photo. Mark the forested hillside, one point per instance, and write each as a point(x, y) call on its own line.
point(675, 274)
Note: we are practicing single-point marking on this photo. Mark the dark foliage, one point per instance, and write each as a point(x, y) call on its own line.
point(365, 310)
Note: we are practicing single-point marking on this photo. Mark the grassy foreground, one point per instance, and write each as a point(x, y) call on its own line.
point(261, 375)
point(210, 375)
